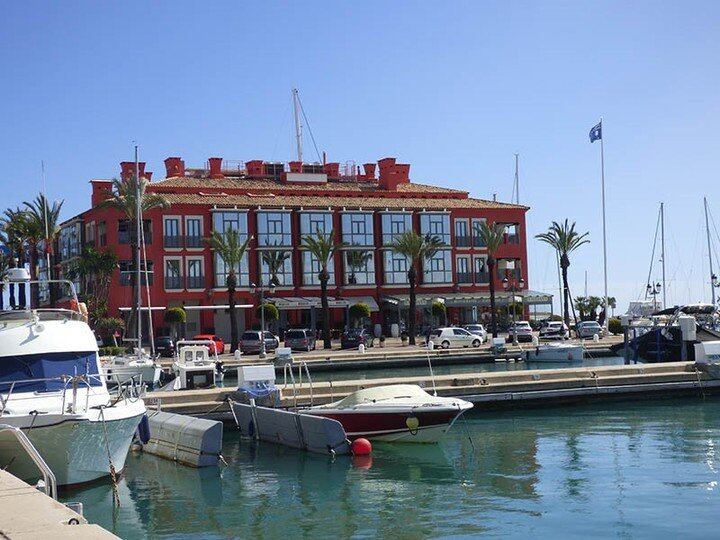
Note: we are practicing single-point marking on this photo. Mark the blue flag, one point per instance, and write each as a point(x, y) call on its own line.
point(596, 133)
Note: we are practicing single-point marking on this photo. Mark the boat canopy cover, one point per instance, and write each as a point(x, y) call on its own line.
point(382, 394)
point(33, 368)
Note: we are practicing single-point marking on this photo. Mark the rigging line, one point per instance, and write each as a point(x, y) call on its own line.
point(652, 255)
point(307, 123)
point(712, 220)
point(285, 117)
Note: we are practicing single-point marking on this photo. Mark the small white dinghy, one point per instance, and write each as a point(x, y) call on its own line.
point(138, 364)
point(555, 352)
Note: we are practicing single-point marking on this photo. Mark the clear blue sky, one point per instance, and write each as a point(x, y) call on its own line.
point(454, 88)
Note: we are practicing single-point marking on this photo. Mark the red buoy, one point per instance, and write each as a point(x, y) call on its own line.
point(361, 447)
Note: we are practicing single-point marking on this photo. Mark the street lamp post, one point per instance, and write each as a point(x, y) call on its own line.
point(261, 289)
point(512, 287)
point(654, 290)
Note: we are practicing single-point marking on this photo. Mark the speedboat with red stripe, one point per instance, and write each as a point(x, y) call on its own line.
point(397, 413)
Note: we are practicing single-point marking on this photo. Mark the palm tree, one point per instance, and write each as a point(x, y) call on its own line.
point(94, 269)
point(231, 250)
point(356, 259)
point(417, 248)
point(275, 260)
point(564, 239)
point(492, 236)
point(123, 197)
point(15, 228)
point(44, 218)
point(323, 248)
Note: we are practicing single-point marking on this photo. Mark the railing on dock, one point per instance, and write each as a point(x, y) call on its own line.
point(288, 369)
point(50, 483)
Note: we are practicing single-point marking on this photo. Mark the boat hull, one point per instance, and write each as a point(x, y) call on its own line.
point(394, 426)
point(75, 448)
point(554, 354)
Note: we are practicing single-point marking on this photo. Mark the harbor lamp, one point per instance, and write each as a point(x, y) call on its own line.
point(513, 286)
point(654, 290)
point(260, 289)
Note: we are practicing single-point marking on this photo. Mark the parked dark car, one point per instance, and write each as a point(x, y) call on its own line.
point(300, 339)
point(165, 346)
point(250, 342)
point(353, 338)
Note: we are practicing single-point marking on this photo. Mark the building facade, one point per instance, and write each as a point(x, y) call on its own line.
point(276, 205)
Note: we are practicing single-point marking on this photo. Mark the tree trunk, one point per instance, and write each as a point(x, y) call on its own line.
point(324, 278)
point(411, 309)
point(34, 287)
point(2, 291)
point(493, 312)
point(22, 300)
point(11, 291)
point(233, 313)
point(566, 294)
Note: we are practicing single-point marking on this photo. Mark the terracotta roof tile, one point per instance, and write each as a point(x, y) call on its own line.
point(297, 201)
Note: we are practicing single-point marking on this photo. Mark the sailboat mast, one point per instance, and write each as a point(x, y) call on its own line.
point(298, 125)
point(602, 176)
point(712, 274)
point(45, 219)
point(662, 252)
point(138, 234)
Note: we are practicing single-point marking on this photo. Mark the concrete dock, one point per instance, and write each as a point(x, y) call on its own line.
point(28, 513)
point(395, 355)
point(486, 390)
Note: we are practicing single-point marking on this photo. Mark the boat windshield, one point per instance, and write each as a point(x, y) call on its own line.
point(42, 372)
point(383, 393)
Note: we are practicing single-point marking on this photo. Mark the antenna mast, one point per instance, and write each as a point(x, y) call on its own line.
point(298, 124)
point(712, 274)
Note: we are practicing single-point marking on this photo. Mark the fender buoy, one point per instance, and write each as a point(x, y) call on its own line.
point(144, 429)
point(361, 447)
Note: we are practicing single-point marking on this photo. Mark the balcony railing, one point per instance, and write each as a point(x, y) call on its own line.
point(512, 239)
point(172, 241)
point(193, 241)
point(196, 282)
point(482, 277)
point(478, 242)
point(464, 277)
point(463, 241)
point(173, 282)
point(125, 237)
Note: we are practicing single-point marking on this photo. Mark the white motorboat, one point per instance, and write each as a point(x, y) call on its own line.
point(555, 352)
point(139, 364)
point(193, 367)
point(52, 389)
point(396, 412)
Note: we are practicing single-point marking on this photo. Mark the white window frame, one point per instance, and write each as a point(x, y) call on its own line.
point(188, 260)
point(202, 231)
point(179, 220)
point(181, 268)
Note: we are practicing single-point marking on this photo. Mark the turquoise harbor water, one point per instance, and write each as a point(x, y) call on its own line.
point(625, 469)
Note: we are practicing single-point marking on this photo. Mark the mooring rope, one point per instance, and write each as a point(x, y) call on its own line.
point(113, 475)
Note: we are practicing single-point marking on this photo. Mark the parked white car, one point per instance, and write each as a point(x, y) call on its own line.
point(446, 338)
point(478, 330)
point(587, 329)
point(520, 331)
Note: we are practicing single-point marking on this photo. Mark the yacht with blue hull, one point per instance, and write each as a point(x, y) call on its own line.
point(51, 387)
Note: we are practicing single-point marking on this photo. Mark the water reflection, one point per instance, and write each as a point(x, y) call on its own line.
point(619, 468)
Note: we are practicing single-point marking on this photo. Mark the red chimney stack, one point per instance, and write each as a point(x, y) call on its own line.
point(369, 169)
point(215, 164)
point(174, 167)
point(332, 170)
point(393, 174)
point(295, 166)
point(127, 169)
point(255, 167)
point(101, 190)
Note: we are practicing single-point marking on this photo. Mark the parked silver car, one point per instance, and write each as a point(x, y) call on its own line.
point(250, 342)
point(520, 331)
point(478, 330)
point(300, 339)
point(587, 329)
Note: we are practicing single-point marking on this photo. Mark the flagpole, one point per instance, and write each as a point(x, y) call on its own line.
point(602, 176)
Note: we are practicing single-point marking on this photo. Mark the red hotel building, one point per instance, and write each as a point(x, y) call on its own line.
point(278, 204)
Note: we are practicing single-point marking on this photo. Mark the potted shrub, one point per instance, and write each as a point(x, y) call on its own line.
point(382, 341)
point(404, 337)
